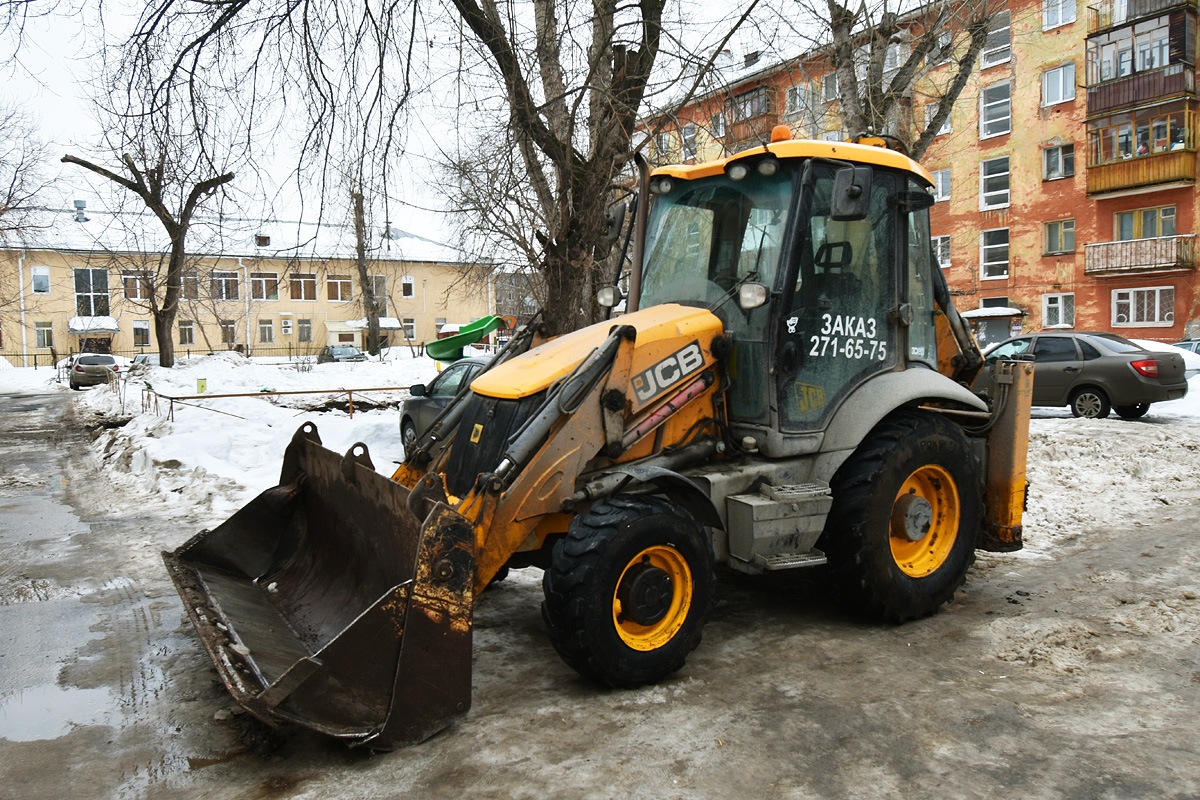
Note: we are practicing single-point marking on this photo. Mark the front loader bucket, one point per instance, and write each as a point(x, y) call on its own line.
point(327, 603)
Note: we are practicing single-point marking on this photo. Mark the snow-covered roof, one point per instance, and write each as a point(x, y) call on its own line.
point(125, 232)
point(992, 313)
point(385, 323)
point(93, 325)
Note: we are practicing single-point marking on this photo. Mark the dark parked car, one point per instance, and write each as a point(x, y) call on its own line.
point(1094, 372)
point(419, 411)
point(91, 369)
point(340, 353)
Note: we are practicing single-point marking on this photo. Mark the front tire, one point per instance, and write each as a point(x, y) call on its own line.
point(1136, 411)
point(1090, 403)
point(628, 590)
point(907, 506)
point(408, 434)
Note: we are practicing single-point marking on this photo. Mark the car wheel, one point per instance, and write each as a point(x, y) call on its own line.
point(628, 590)
point(1132, 412)
point(408, 434)
point(1090, 403)
point(75, 386)
point(907, 506)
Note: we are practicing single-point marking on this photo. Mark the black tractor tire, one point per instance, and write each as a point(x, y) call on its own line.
point(1089, 402)
point(907, 509)
point(1136, 411)
point(628, 591)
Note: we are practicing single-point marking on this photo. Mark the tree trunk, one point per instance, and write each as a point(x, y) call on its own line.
point(370, 307)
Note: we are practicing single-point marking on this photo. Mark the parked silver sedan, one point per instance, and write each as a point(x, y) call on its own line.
point(1093, 373)
point(92, 369)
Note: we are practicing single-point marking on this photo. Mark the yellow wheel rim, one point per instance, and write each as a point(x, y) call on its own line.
point(924, 521)
point(652, 598)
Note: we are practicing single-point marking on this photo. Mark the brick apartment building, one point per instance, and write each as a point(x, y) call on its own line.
point(1065, 177)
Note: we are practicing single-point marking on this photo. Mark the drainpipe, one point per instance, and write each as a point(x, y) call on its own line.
point(21, 292)
point(246, 283)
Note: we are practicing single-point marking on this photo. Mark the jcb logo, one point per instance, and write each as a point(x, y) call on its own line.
point(668, 372)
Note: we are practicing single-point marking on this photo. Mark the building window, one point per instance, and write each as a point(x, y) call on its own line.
point(1144, 223)
point(136, 285)
point(408, 287)
point(1152, 306)
point(262, 240)
point(748, 105)
point(187, 332)
point(834, 136)
point(829, 87)
point(662, 143)
point(1060, 237)
point(931, 110)
point(338, 287)
point(141, 333)
point(1058, 310)
point(408, 326)
point(993, 183)
point(941, 184)
point(264, 285)
point(1141, 133)
point(304, 330)
point(379, 290)
point(994, 253)
point(41, 280)
point(223, 285)
point(1058, 84)
point(304, 286)
point(43, 334)
point(228, 331)
point(191, 285)
point(91, 292)
point(941, 249)
point(1057, 12)
point(687, 135)
point(1058, 162)
point(266, 331)
point(998, 47)
point(717, 125)
point(996, 117)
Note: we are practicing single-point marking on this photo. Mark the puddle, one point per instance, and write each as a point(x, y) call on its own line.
point(51, 711)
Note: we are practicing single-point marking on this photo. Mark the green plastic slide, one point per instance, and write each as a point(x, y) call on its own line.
point(451, 348)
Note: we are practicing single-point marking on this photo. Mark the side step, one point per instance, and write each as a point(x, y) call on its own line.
point(776, 528)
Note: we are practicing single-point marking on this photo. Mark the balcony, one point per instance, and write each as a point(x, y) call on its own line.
point(1110, 13)
point(1165, 254)
point(1176, 166)
point(1140, 88)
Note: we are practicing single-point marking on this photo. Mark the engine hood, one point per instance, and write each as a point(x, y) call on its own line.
point(661, 332)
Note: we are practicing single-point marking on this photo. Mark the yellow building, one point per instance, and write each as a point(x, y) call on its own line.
point(85, 282)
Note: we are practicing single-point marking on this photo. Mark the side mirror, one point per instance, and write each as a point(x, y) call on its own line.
point(417, 390)
point(614, 221)
point(608, 296)
point(752, 296)
point(851, 194)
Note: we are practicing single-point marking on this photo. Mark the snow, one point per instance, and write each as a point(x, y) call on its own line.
point(213, 454)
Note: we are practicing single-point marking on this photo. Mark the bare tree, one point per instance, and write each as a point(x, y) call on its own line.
point(21, 177)
point(891, 63)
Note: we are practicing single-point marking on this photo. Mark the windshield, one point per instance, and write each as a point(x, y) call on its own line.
point(707, 236)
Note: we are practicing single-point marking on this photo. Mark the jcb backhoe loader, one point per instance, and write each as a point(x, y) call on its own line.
point(786, 389)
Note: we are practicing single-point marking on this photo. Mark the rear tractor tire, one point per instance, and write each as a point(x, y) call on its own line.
point(907, 507)
point(628, 590)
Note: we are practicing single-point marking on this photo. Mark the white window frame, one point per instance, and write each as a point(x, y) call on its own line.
point(266, 331)
point(304, 330)
point(1005, 117)
point(223, 285)
point(984, 264)
point(993, 53)
point(931, 110)
point(992, 198)
point(1058, 303)
point(43, 335)
point(1063, 226)
point(344, 286)
point(141, 333)
point(1058, 84)
point(187, 332)
point(39, 275)
point(829, 87)
point(228, 329)
point(717, 124)
point(941, 184)
point(408, 326)
point(662, 143)
point(1061, 150)
point(687, 138)
point(1056, 13)
point(1128, 298)
point(306, 283)
point(260, 282)
point(941, 249)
